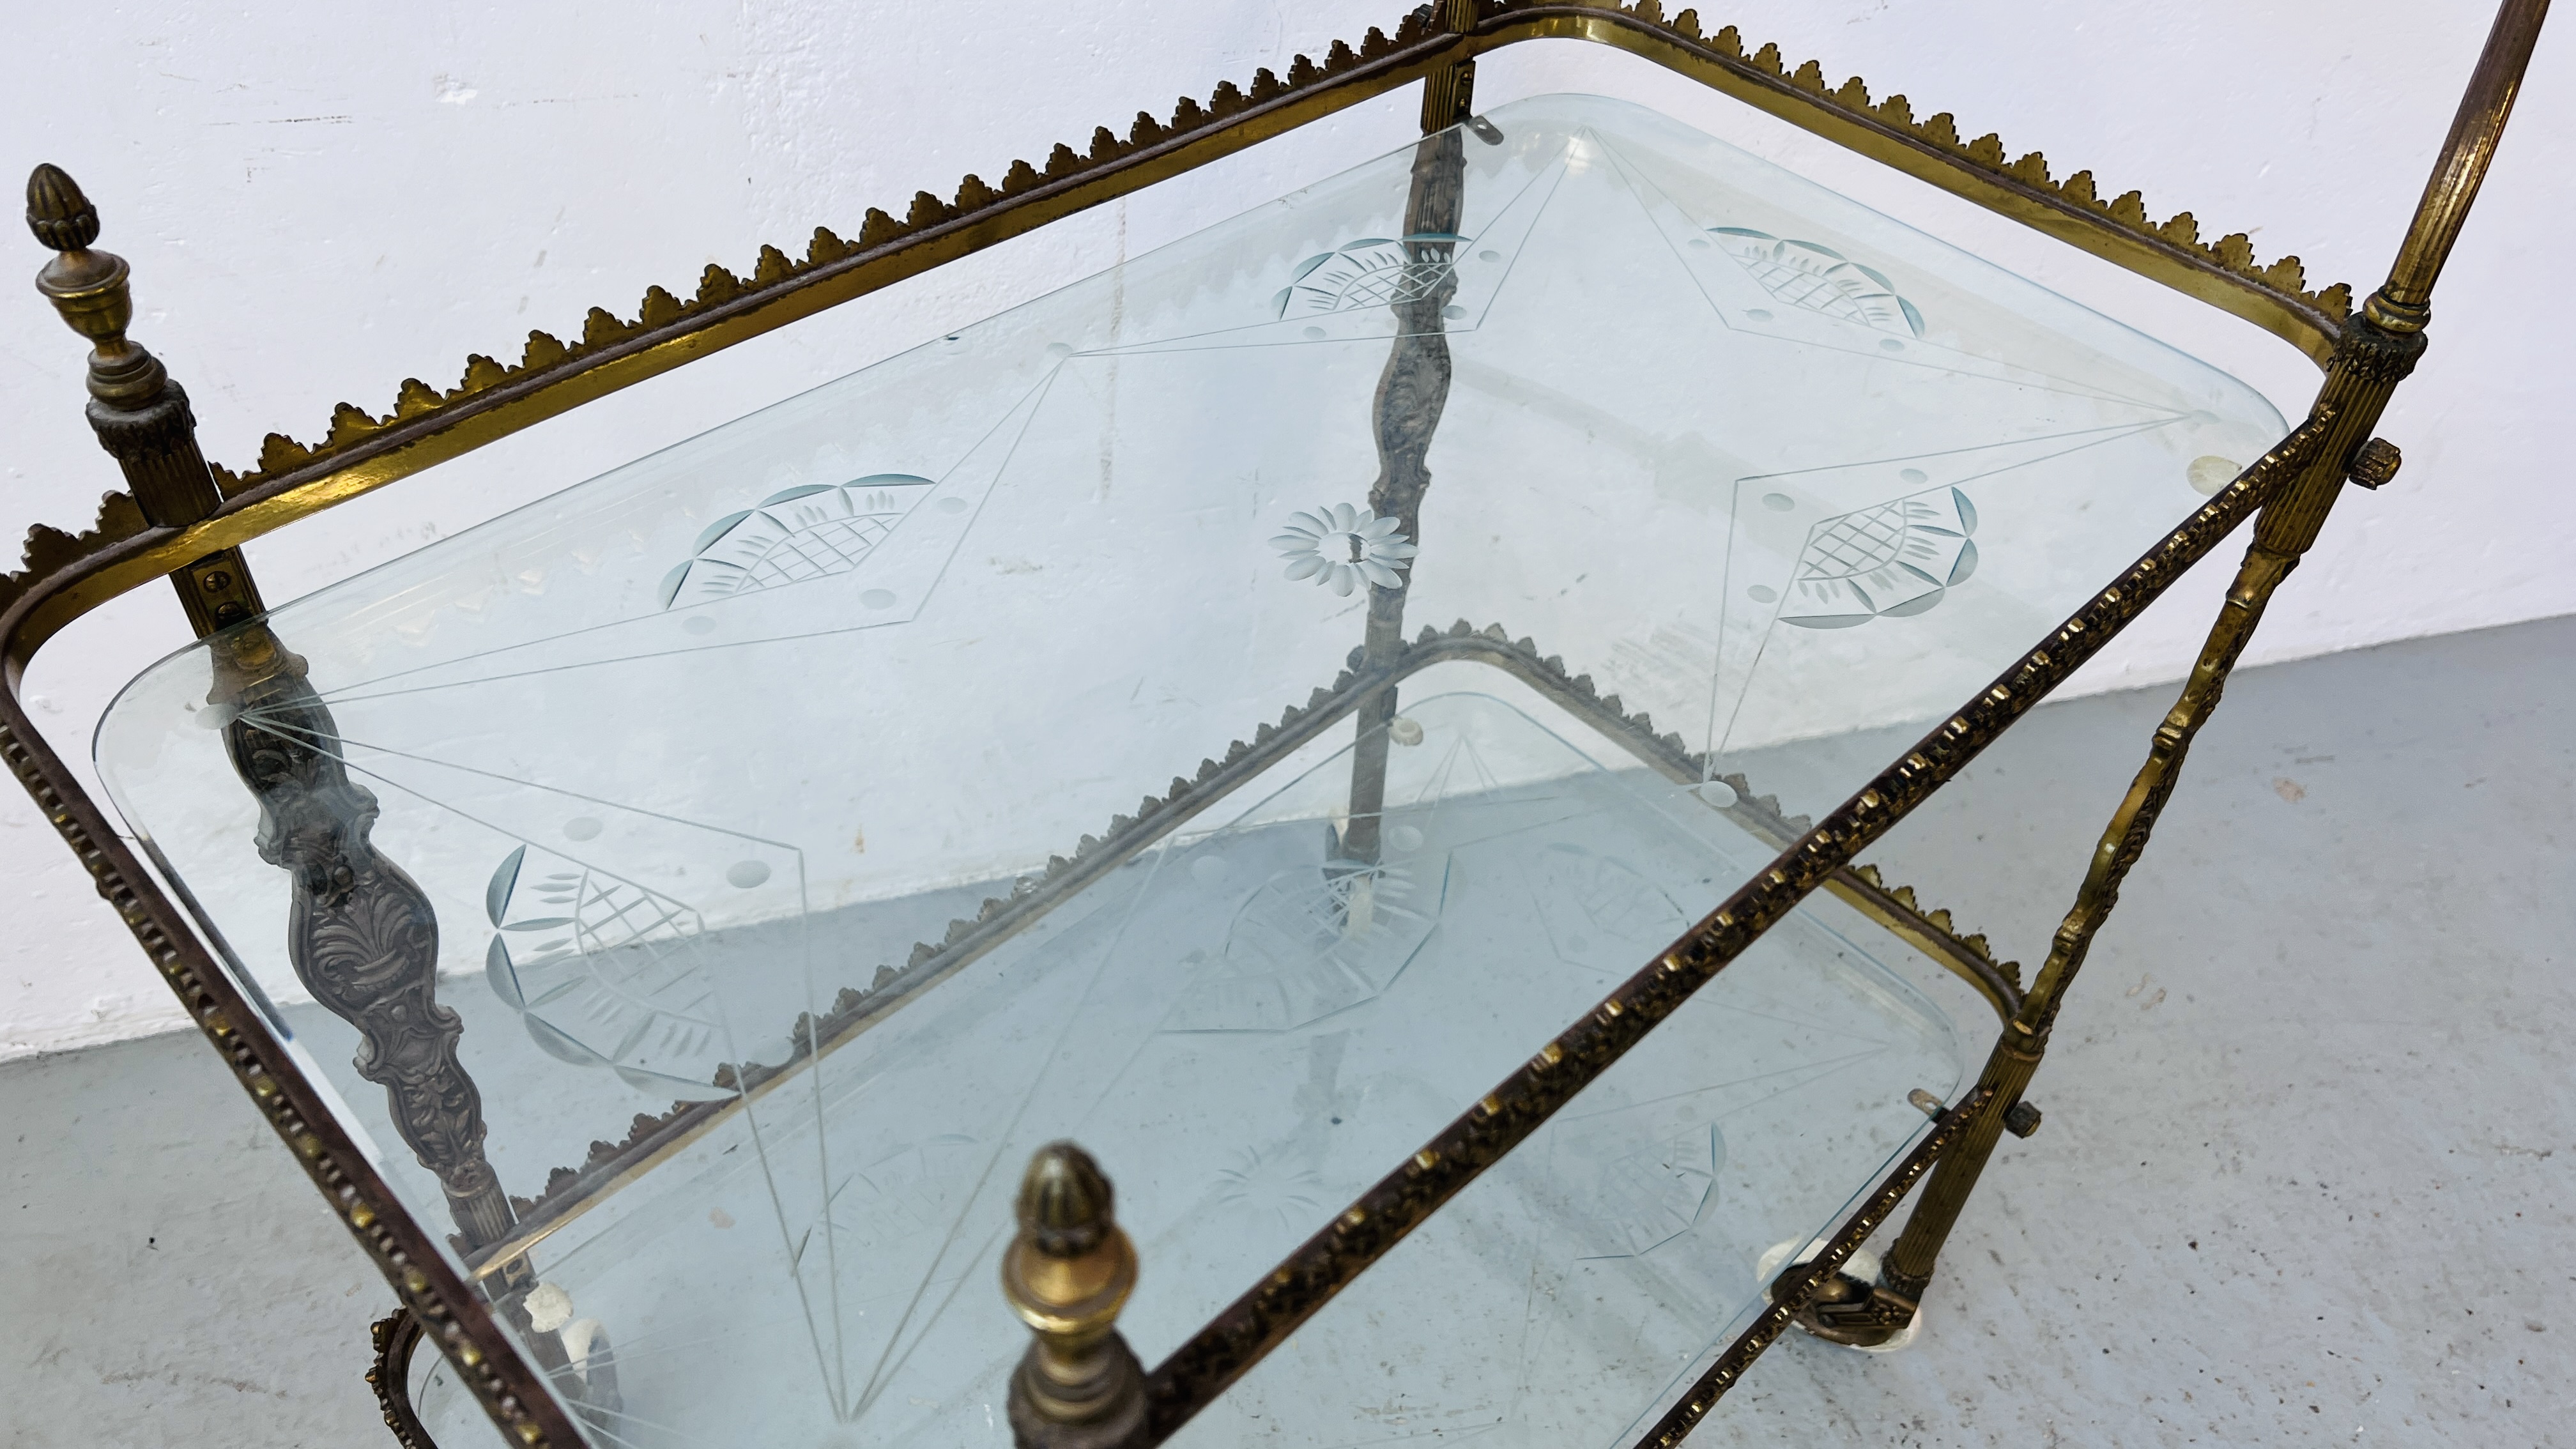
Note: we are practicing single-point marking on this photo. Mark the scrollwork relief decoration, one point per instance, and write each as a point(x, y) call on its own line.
point(360, 932)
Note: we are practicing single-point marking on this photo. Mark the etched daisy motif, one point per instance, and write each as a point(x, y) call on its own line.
point(1340, 547)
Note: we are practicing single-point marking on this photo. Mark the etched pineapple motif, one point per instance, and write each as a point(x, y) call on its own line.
point(1371, 272)
point(1894, 560)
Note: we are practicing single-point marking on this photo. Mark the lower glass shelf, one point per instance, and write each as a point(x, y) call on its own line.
point(1247, 1025)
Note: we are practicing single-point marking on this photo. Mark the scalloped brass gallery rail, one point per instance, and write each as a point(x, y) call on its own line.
point(2176, 240)
point(362, 450)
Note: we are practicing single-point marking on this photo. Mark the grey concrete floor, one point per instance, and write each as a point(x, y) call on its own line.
point(2305, 1176)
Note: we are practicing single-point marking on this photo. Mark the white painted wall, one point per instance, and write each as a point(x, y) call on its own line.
point(319, 203)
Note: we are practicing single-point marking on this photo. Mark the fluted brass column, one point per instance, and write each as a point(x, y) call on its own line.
point(1449, 91)
point(1067, 1275)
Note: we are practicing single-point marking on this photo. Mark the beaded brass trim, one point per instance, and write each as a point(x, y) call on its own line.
point(395, 1336)
point(2121, 230)
point(610, 1166)
point(68, 575)
point(2176, 239)
point(444, 1303)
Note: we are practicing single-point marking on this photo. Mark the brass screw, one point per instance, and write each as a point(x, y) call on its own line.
point(218, 581)
point(2374, 463)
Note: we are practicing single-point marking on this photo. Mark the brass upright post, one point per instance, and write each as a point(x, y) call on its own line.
point(2381, 343)
point(1067, 1274)
point(1449, 91)
point(1411, 392)
point(361, 933)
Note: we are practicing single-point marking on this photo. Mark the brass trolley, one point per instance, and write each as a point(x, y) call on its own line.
point(763, 781)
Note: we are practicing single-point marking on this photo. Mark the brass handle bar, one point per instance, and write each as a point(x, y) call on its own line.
point(2379, 348)
point(2466, 153)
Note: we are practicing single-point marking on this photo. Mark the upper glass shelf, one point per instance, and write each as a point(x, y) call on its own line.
point(1307, 655)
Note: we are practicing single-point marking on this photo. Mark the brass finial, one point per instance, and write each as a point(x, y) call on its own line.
point(57, 213)
point(1067, 1275)
point(89, 289)
point(140, 415)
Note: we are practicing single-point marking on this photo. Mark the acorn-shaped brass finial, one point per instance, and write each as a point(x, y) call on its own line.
point(88, 288)
point(1067, 1274)
point(57, 213)
point(1065, 1204)
point(140, 415)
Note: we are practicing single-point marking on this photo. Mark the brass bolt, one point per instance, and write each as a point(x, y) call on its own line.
point(2374, 463)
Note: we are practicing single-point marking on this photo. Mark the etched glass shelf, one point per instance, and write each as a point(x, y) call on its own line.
point(1229, 712)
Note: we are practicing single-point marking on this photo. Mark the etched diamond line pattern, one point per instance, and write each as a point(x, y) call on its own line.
point(1857, 543)
point(831, 547)
point(1806, 289)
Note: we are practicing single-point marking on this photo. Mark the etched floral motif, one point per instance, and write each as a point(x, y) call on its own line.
point(1818, 278)
point(1341, 547)
point(603, 972)
point(1630, 1193)
point(1370, 272)
point(1891, 561)
point(800, 533)
point(1598, 911)
point(1308, 943)
point(1272, 1187)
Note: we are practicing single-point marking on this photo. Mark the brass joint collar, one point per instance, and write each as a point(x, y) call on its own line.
point(1910, 1286)
point(1070, 1298)
point(2371, 351)
point(2390, 315)
point(2026, 1040)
